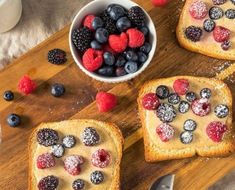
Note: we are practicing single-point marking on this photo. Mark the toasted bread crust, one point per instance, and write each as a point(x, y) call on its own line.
point(153, 153)
point(112, 129)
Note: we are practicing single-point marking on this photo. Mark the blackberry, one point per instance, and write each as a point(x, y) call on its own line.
point(97, 177)
point(221, 111)
point(69, 141)
point(209, 25)
point(205, 93)
point(193, 33)
point(56, 56)
point(190, 125)
point(47, 137)
point(226, 45)
point(78, 184)
point(109, 23)
point(13, 120)
point(184, 107)
point(137, 16)
point(216, 13)
point(90, 137)
point(8, 95)
point(173, 98)
point(190, 96)
point(162, 92)
point(230, 14)
point(48, 183)
point(186, 137)
point(219, 2)
point(166, 112)
point(57, 150)
point(82, 38)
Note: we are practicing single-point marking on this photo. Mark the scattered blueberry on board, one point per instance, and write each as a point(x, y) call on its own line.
point(8, 95)
point(123, 31)
point(13, 120)
point(57, 90)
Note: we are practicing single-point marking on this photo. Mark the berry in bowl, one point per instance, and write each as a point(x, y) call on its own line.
point(112, 42)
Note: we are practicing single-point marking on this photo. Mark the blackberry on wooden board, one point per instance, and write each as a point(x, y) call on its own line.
point(56, 56)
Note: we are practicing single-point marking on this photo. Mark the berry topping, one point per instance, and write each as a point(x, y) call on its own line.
point(57, 150)
point(69, 141)
point(221, 111)
point(102, 35)
point(96, 45)
point(215, 131)
point(150, 101)
point(209, 25)
point(90, 137)
point(201, 107)
point(47, 137)
point(56, 56)
point(109, 24)
point(72, 164)
point(226, 45)
point(216, 13)
point(190, 96)
point(116, 11)
point(109, 58)
point(26, 85)
point(105, 101)
point(123, 24)
point(118, 42)
point(184, 107)
point(230, 13)
point(131, 67)
point(45, 161)
point(78, 184)
point(100, 158)
point(92, 59)
point(193, 33)
point(181, 86)
point(162, 92)
point(146, 48)
point(137, 16)
point(87, 22)
point(13, 120)
point(106, 71)
point(82, 38)
point(186, 137)
point(221, 34)
point(165, 132)
point(219, 2)
point(205, 93)
point(198, 9)
point(97, 23)
point(190, 125)
point(48, 183)
point(120, 71)
point(142, 57)
point(136, 38)
point(173, 98)
point(57, 90)
point(166, 113)
point(97, 177)
point(8, 95)
point(159, 3)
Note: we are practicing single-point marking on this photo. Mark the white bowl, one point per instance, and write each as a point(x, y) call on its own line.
point(98, 6)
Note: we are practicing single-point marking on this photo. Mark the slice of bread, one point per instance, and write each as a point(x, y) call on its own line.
point(110, 139)
point(207, 45)
point(202, 145)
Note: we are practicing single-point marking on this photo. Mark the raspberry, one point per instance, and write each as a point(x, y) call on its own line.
point(221, 34)
point(45, 161)
point(215, 131)
point(26, 85)
point(201, 107)
point(193, 33)
point(105, 101)
point(181, 86)
point(150, 101)
point(72, 164)
point(165, 132)
point(48, 183)
point(90, 137)
point(198, 9)
point(47, 137)
point(137, 16)
point(159, 3)
point(92, 59)
point(118, 42)
point(136, 38)
point(100, 158)
point(88, 21)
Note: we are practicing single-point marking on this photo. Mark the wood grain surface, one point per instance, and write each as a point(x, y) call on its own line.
point(170, 60)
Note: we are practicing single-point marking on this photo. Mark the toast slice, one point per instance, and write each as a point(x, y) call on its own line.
point(158, 148)
point(207, 44)
point(110, 139)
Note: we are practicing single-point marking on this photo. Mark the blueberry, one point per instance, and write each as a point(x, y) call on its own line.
point(190, 125)
point(184, 107)
point(131, 56)
point(216, 13)
point(146, 48)
point(116, 12)
point(226, 45)
point(109, 8)
point(205, 93)
point(230, 14)
point(78, 184)
point(142, 57)
point(131, 67)
point(120, 62)
point(120, 71)
point(186, 137)
point(209, 25)
point(69, 141)
point(101, 35)
point(13, 120)
point(144, 30)
point(106, 71)
point(162, 92)
point(190, 96)
point(123, 24)
point(221, 111)
point(8, 95)
point(173, 98)
point(57, 150)
point(97, 23)
point(96, 45)
point(57, 90)
point(109, 59)
point(97, 177)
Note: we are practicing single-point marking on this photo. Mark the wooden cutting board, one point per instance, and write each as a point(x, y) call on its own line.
point(78, 102)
